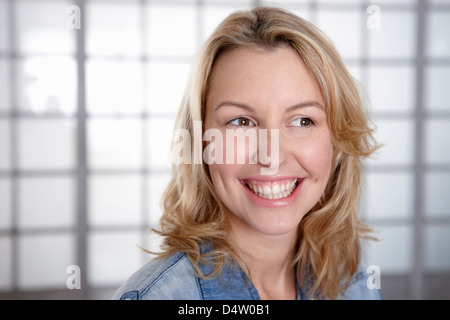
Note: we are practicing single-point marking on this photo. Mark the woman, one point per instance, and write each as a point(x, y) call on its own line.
point(280, 229)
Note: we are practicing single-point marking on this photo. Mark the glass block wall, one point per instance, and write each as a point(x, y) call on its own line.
point(86, 114)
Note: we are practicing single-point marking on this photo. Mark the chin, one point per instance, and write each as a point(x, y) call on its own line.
point(273, 222)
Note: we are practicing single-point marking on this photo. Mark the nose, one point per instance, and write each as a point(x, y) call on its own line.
point(270, 153)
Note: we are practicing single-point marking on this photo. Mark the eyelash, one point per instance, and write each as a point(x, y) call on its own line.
point(251, 124)
point(241, 125)
point(302, 119)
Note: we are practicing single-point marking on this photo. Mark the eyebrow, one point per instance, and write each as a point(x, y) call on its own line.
point(235, 104)
point(303, 104)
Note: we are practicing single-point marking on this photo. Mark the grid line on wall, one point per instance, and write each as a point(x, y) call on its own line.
point(82, 229)
point(418, 267)
point(82, 165)
point(13, 152)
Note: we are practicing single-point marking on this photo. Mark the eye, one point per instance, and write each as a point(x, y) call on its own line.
point(302, 122)
point(241, 122)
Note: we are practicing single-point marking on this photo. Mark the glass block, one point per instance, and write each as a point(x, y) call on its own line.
point(438, 34)
point(403, 2)
point(5, 203)
point(437, 200)
point(46, 144)
point(46, 202)
point(5, 264)
point(43, 260)
point(4, 25)
point(115, 200)
point(238, 2)
point(392, 88)
point(114, 87)
point(5, 145)
point(437, 245)
point(47, 85)
point(166, 84)
point(347, 37)
point(355, 72)
point(212, 16)
point(114, 143)
point(5, 86)
point(389, 195)
point(157, 185)
point(113, 28)
point(437, 142)
point(177, 2)
point(397, 139)
point(396, 36)
point(171, 30)
point(437, 95)
point(153, 244)
point(42, 26)
point(302, 12)
point(393, 252)
point(113, 257)
point(160, 132)
point(344, 2)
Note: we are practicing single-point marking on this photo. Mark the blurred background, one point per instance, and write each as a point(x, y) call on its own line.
point(89, 90)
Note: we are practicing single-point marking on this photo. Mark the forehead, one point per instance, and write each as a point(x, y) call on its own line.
point(255, 73)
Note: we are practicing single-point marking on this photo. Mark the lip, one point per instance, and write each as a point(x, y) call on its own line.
point(272, 203)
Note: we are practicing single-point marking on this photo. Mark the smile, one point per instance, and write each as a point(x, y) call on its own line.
point(273, 190)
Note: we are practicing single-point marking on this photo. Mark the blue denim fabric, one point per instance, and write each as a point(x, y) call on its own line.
point(173, 278)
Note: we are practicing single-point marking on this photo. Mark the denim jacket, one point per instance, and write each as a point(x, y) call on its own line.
point(172, 278)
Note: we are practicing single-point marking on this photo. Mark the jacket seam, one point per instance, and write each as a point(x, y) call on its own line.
point(357, 277)
point(161, 275)
point(199, 287)
point(250, 287)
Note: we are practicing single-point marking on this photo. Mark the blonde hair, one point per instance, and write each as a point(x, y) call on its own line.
point(329, 249)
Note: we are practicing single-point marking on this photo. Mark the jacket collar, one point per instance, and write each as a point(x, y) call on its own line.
point(231, 283)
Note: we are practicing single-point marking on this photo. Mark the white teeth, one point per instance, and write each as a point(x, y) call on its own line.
point(277, 191)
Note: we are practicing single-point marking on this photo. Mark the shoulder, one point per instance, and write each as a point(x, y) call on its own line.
point(363, 286)
point(170, 278)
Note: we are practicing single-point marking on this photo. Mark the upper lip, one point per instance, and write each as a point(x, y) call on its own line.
point(269, 181)
point(263, 178)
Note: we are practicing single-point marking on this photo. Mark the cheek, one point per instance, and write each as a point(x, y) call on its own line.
point(316, 157)
point(228, 153)
point(223, 176)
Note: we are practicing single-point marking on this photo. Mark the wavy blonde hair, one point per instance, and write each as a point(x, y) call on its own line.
point(329, 249)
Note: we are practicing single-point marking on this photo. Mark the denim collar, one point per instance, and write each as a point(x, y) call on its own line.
point(232, 283)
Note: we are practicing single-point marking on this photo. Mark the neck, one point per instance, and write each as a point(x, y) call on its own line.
point(268, 259)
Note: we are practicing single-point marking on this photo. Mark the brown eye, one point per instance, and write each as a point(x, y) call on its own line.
point(302, 122)
point(305, 122)
point(241, 122)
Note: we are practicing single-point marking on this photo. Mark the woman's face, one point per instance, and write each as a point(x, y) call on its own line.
point(253, 89)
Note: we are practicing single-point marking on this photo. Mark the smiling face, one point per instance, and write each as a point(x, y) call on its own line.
point(252, 89)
